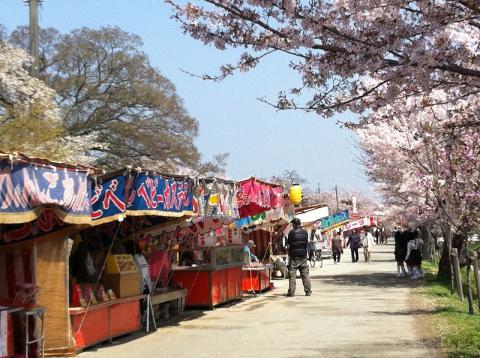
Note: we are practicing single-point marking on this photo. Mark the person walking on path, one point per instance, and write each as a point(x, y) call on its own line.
point(367, 243)
point(354, 242)
point(400, 252)
point(377, 235)
point(383, 236)
point(314, 243)
point(297, 251)
point(413, 258)
point(337, 247)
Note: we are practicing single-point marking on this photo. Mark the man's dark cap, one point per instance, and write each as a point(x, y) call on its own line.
point(296, 221)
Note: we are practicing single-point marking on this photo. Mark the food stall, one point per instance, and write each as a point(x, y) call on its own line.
point(214, 276)
point(112, 261)
point(256, 275)
point(43, 203)
point(210, 254)
point(269, 211)
point(111, 306)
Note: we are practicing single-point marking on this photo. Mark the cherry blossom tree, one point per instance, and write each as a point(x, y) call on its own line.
point(409, 69)
point(30, 120)
point(425, 162)
point(19, 92)
point(349, 54)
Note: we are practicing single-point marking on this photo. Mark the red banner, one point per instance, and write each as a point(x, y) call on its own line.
point(255, 197)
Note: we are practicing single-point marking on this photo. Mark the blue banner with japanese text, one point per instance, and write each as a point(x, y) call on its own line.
point(334, 219)
point(26, 189)
point(141, 194)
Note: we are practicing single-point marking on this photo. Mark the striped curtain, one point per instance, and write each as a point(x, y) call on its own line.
point(16, 267)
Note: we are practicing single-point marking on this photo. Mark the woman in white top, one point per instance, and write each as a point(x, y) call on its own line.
point(367, 243)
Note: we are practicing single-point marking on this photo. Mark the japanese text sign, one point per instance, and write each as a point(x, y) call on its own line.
point(26, 189)
point(141, 194)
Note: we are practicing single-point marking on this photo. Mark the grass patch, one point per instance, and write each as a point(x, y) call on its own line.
point(459, 332)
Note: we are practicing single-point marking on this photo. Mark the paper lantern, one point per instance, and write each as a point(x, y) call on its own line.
point(296, 194)
point(213, 199)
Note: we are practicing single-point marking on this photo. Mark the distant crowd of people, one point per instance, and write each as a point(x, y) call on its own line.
point(363, 239)
point(301, 245)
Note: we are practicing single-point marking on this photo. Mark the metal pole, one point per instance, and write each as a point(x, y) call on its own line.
point(33, 6)
point(148, 313)
point(476, 275)
point(336, 196)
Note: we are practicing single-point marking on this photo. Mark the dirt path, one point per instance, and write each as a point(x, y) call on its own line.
point(356, 310)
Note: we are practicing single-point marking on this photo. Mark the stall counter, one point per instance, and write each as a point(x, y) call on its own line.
point(105, 321)
point(256, 279)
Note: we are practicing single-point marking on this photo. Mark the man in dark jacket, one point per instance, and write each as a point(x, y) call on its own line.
point(354, 242)
point(297, 251)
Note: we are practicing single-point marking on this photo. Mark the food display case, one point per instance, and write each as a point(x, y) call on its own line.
point(213, 277)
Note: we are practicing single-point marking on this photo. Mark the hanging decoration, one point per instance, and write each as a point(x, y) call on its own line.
point(296, 194)
point(256, 196)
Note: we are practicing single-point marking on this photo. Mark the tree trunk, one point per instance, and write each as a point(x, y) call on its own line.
point(429, 243)
point(456, 269)
point(444, 264)
point(444, 267)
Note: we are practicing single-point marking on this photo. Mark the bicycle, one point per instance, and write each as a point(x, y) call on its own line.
point(319, 257)
point(316, 255)
point(312, 258)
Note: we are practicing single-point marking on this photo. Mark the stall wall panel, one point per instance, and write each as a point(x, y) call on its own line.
point(235, 283)
point(232, 283)
point(125, 318)
point(197, 285)
point(91, 327)
point(216, 288)
point(52, 278)
point(250, 281)
point(224, 285)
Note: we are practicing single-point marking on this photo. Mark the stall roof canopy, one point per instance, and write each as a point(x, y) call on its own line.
point(79, 194)
point(136, 192)
point(334, 221)
point(359, 223)
point(312, 215)
point(29, 185)
point(17, 157)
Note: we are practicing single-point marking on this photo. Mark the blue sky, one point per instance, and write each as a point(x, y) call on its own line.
point(261, 141)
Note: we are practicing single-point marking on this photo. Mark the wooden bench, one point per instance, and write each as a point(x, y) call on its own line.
point(177, 295)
